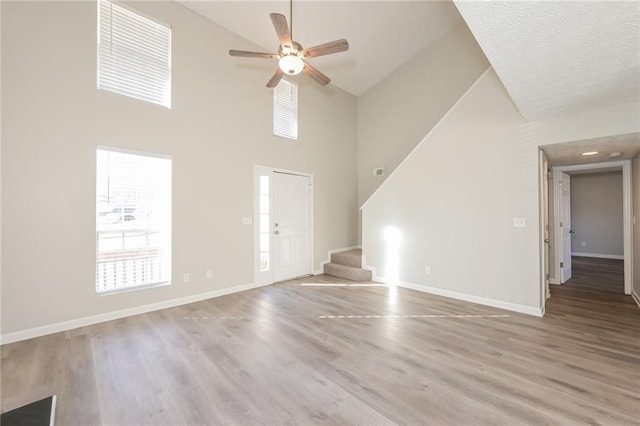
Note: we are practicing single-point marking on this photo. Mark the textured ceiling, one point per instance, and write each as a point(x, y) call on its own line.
point(570, 153)
point(382, 35)
point(556, 57)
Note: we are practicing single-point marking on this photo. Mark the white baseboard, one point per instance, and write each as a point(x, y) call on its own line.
point(599, 255)
point(329, 253)
point(30, 333)
point(635, 297)
point(523, 309)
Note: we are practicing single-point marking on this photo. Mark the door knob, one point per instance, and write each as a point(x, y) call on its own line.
point(546, 240)
point(275, 224)
point(277, 232)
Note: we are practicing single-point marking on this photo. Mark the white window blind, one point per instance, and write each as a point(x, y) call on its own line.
point(285, 110)
point(133, 220)
point(134, 54)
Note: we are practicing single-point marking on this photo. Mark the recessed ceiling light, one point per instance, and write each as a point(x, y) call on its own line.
point(590, 153)
point(615, 154)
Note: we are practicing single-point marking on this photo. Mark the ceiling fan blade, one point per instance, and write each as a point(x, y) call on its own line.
point(282, 29)
point(276, 78)
point(326, 49)
point(245, 54)
point(316, 75)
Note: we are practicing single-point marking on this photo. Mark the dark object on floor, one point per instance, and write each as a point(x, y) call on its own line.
point(39, 413)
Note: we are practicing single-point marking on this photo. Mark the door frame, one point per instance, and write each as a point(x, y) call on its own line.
point(627, 214)
point(267, 277)
point(545, 224)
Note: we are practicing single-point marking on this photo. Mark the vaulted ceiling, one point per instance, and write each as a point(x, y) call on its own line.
point(554, 57)
point(382, 35)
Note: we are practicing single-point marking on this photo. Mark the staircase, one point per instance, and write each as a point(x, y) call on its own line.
point(347, 265)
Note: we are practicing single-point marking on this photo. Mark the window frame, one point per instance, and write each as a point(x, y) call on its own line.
point(166, 101)
point(282, 116)
point(169, 231)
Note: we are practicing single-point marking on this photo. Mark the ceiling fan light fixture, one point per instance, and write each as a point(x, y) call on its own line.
point(291, 64)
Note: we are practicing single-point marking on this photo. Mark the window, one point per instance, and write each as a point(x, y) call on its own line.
point(134, 54)
point(133, 220)
point(264, 228)
point(285, 110)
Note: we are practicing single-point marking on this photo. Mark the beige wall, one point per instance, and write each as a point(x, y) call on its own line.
point(451, 204)
point(636, 228)
point(53, 118)
point(596, 214)
point(399, 111)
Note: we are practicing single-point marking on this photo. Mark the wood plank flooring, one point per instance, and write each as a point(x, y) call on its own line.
point(324, 354)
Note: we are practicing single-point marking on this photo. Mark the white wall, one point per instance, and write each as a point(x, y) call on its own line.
point(453, 200)
point(53, 118)
point(596, 214)
point(398, 112)
point(452, 203)
point(636, 229)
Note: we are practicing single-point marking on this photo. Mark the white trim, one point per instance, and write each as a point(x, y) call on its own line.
point(108, 316)
point(636, 298)
point(328, 260)
point(52, 417)
point(523, 309)
point(368, 268)
point(433, 129)
point(545, 248)
point(554, 282)
point(599, 255)
point(627, 213)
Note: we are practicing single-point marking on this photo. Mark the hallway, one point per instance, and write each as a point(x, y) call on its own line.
point(594, 297)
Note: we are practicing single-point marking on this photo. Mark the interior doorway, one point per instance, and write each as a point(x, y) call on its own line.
point(561, 249)
point(283, 230)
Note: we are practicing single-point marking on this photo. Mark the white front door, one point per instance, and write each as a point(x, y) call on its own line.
point(565, 226)
point(291, 226)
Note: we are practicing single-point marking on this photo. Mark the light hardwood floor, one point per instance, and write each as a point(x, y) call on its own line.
point(290, 354)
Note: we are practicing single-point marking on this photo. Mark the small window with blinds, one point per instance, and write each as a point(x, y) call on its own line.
point(134, 54)
point(133, 220)
point(285, 110)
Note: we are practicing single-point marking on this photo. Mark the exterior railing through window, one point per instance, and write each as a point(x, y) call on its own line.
point(128, 258)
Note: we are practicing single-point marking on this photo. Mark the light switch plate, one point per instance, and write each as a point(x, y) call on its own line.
point(519, 222)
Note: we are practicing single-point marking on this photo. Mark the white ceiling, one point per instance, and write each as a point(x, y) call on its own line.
point(570, 153)
point(557, 57)
point(554, 57)
point(382, 35)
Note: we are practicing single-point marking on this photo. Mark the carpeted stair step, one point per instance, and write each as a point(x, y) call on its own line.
point(347, 272)
point(349, 258)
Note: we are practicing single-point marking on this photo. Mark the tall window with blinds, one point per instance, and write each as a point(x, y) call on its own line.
point(133, 220)
point(285, 110)
point(134, 54)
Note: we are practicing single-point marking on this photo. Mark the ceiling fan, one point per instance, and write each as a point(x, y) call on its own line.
point(291, 55)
